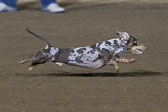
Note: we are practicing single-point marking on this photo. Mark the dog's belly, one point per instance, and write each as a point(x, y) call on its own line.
point(93, 65)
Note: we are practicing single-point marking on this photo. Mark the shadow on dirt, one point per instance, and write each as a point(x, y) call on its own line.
point(104, 74)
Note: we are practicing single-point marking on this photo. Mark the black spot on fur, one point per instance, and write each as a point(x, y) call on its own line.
point(78, 59)
point(99, 44)
point(80, 51)
point(62, 55)
point(91, 52)
point(108, 43)
point(93, 46)
point(116, 45)
point(72, 51)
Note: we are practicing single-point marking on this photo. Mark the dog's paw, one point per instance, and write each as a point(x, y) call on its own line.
point(30, 68)
point(132, 60)
point(129, 60)
point(117, 68)
point(59, 63)
point(21, 61)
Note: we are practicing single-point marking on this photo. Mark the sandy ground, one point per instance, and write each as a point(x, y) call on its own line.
point(138, 87)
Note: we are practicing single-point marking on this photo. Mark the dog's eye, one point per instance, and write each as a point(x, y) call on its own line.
point(135, 43)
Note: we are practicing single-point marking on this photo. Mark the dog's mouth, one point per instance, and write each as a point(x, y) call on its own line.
point(138, 49)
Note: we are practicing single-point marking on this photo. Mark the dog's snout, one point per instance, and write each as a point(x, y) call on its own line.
point(144, 46)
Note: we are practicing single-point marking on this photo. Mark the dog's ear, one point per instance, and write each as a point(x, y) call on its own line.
point(123, 35)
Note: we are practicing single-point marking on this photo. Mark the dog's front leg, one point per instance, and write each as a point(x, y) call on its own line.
point(124, 60)
point(115, 64)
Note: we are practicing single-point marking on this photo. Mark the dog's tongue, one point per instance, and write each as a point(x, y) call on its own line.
point(138, 52)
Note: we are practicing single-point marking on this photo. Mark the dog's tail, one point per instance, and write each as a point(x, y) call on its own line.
point(41, 38)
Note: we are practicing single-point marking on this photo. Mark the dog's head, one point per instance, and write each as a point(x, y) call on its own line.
point(133, 45)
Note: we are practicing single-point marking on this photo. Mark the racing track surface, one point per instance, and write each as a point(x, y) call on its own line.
point(138, 87)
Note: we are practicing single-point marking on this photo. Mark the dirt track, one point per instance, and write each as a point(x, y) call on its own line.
point(138, 87)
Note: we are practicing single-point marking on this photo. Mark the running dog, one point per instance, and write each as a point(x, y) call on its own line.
point(94, 56)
